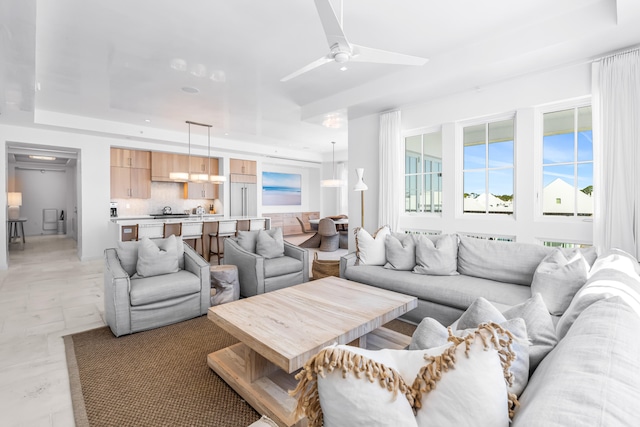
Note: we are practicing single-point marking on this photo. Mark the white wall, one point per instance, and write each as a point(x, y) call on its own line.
point(518, 96)
point(41, 189)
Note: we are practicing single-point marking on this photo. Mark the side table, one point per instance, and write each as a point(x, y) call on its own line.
point(15, 228)
point(225, 286)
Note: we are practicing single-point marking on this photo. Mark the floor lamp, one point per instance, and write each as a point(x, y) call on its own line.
point(361, 187)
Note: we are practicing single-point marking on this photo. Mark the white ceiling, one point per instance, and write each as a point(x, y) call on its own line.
point(68, 62)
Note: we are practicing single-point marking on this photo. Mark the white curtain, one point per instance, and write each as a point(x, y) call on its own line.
point(616, 108)
point(391, 172)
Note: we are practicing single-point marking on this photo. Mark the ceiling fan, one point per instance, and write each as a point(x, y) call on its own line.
point(342, 51)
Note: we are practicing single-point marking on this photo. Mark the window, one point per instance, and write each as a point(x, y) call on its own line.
point(488, 160)
point(567, 163)
point(423, 173)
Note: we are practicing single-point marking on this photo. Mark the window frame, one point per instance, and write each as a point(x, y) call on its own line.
point(539, 165)
point(459, 164)
point(422, 174)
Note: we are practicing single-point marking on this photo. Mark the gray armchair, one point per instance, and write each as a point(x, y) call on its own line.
point(258, 275)
point(137, 304)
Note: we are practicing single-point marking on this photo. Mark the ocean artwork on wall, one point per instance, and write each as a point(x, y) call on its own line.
point(281, 189)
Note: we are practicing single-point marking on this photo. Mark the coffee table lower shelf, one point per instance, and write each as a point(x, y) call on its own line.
point(265, 386)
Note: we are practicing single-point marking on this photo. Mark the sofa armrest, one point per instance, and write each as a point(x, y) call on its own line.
point(300, 254)
point(117, 284)
point(346, 261)
point(197, 265)
point(250, 267)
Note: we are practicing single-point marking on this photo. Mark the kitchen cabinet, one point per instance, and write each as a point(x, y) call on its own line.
point(130, 174)
point(200, 190)
point(162, 164)
point(130, 183)
point(124, 158)
point(244, 167)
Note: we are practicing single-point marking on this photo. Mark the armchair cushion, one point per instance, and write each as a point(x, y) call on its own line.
point(270, 243)
point(147, 290)
point(128, 253)
point(280, 266)
point(154, 260)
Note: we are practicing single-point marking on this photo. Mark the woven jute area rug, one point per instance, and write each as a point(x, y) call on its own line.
point(156, 378)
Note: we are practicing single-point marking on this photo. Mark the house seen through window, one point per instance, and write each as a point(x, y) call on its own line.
point(567, 163)
point(488, 167)
point(423, 172)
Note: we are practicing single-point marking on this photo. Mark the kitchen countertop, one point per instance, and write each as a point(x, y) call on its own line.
point(148, 219)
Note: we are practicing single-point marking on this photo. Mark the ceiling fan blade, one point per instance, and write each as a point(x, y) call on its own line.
point(331, 25)
point(315, 64)
point(368, 54)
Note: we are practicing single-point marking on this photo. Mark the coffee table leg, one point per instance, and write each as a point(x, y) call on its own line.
point(256, 366)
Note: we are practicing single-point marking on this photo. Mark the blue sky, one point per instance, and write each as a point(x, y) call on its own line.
point(557, 149)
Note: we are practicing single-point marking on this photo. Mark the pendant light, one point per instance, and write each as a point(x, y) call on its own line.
point(215, 179)
point(198, 177)
point(333, 182)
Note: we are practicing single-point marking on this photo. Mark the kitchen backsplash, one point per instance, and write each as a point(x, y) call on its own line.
point(162, 194)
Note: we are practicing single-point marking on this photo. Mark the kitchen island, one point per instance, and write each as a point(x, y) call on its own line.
point(193, 227)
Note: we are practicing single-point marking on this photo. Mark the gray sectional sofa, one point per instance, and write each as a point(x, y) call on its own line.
point(591, 377)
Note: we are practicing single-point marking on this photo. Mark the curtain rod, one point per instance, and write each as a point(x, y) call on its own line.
point(620, 52)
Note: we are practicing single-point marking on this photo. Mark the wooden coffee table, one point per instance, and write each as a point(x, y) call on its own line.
point(279, 331)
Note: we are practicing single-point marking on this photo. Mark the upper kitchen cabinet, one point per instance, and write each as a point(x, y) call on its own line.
point(244, 167)
point(124, 158)
point(130, 174)
point(162, 164)
point(202, 190)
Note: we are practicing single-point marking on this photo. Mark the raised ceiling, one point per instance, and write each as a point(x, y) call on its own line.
point(84, 64)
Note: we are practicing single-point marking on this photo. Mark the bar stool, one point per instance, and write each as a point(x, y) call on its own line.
point(258, 224)
point(243, 225)
point(225, 229)
point(191, 234)
point(174, 228)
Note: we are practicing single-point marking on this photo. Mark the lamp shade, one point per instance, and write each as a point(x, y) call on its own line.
point(330, 183)
point(217, 179)
point(360, 185)
point(14, 199)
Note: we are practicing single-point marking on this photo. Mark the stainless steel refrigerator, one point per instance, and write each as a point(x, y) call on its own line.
point(244, 199)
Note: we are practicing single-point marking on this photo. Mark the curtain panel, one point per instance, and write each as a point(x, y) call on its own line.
point(391, 171)
point(616, 107)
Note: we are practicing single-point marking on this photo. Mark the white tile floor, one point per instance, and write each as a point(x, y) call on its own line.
point(45, 294)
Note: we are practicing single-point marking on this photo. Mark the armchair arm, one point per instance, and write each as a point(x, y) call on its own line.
point(197, 265)
point(116, 294)
point(301, 254)
point(346, 261)
point(250, 268)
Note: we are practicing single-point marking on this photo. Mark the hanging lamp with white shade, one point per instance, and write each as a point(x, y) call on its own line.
point(198, 177)
point(333, 182)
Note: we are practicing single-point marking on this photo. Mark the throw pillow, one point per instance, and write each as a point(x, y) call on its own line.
point(400, 251)
point(166, 244)
point(370, 250)
point(430, 333)
point(270, 243)
point(479, 311)
point(128, 255)
point(153, 261)
point(247, 240)
point(558, 277)
point(439, 258)
point(459, 383)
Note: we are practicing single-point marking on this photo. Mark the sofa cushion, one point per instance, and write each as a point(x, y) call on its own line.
point(400, 251)
point(615, 273)
point(270, 243)
point(459, 383)
point(370, 249)
point(558, 277)
point(453, 291)
point(430, 333)
point(539, 328)
point(591, 378)
point(508, 262)
point(439, 258)
point(147, 290)
point(153, 260)
point(274, 267)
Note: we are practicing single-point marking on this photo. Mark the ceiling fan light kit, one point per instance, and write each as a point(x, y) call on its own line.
point(341, 51)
